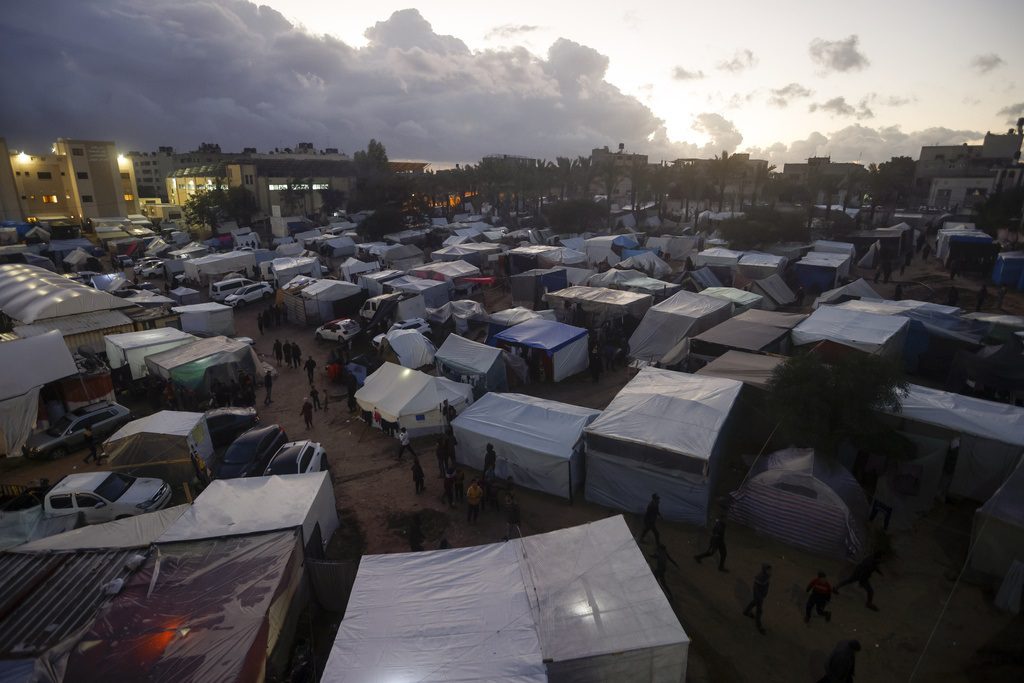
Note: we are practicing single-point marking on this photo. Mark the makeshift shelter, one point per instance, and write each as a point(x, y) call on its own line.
point(633, 281)
point(665, 325)
point(577, 604)
point(875, 334)
point(29, 294)
point(214, 266)
point(662, 433)
point(502, 320)
point(647, 263)
point(739, 335)
point(137, 531)
point(25, 366)
point(374, 282)
point(478, 365)
point(435, 293)
point(552, 350)
point(752, 369)
point(997, 535)
point(806, 501)
point(352, 267)
point(446, 271)
point(995, 371)
point(197, 365)
point(775, 292)
point(526, 258)
point(478, 255)
point(160, 445)
point(206, 319)
point(858, 289)
point(592, 307)
point(717, 257)
point(462, 312)
point(675, 247)
point(786, 321)
point(530, 288)
point(702, 278)
point(1009, 268)
point(820, 271)
point(607, 248)
point(830, 247)
point(326, 300)
point(411, 398)
point(757, 266)
point(79, 258)
point(408, 348)
point(131, 348)
point(338, 247)
point(741, 300)
point(402, 256)
point(539, 443)
point(183, 296)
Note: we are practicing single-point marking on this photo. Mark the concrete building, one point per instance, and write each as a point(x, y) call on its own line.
point(77, 180)
point(958, 177)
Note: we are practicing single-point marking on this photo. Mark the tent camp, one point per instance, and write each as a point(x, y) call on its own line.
point(633, 281)
point(373, 282)
point(475, 254)
point(408, 348)
point(775, 291)
point(526, 258)
point(820, 270)
point(741, 300)
point(325, 300)
point(131, 348)
point(184, 296)
point(758, 266)
point(552, 350)
point(214, 266)
point(402, 256)
point(675, 247)
point(160, 445)
point(446, 271)
point(478, 365)
point(592, 307)
point(195, 366)
point(997, 536)
point(338, 247)
point(648, 263)
point(538, 442)
point(868, 332)
point(502, 320)
point(858, 289)
point(208, 318)
point(460, 313)
point(411, 398)
point(530, 288)
point(752, 369)
point(607, 248)
point(660, 434)
point(577, 604)
point(1009, 269)
point(350, 268)
point(435, 292)
point(665, 325)
point(739, 335)
point(830, 247)
point(806, 501)
point(717, 257)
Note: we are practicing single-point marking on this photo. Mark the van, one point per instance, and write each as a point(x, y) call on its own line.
point(220, 290)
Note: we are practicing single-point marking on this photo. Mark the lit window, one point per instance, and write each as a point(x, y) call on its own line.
point(49, 199)
point(129, 197)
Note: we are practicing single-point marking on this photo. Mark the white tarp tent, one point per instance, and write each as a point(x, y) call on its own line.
point(412, 349)
point(717, 256)
point(828, 247)
point(775, 291)
point(682, 315)
point(447, 271)
point(577, 604)
point(470, 362)
point(131, 348)
point(29, 294)
point(757, 266)
point(214, 266)
point(352, 267)
point(742, 300)
point(160, 445)
point(25, 366)
point(597, 304)
point(858, 289)
point(753, 369)
point(411, 398)
point(876, 334)
point(660, 434)
point(435, 293)
point(554, 349)
point(646, 262)
point(137, 531)
point(207, 319)
point(997, 536)
point(674, 247)
point(234, 507)
point(538, 442)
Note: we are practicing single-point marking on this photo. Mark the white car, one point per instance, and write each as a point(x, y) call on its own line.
point(105, 496)
point(150, 268)
point(418, 324)
point(297, 457)
point(249, 294)
point(341, 329)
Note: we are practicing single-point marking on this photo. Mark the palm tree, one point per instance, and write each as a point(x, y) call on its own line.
point(659, 181)
point(585, 172)
point(761, 175)
point(723, 170)
point(610, 174)
point(566, 174)
point(685, 182)
point(639, 177)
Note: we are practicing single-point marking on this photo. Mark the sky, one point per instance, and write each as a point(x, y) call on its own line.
point(453, 80)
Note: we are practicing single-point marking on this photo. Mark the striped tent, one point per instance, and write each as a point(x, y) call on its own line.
point(806, 501)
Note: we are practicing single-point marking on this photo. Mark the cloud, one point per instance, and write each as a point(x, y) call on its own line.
point(681, 74)
point(781, 97)
point(510, 31)
point(1012, 112)
point(838, 106)
point(723, 132)
point(985, 63)
point(838, 55)
point(862, 143)
point(741, 61)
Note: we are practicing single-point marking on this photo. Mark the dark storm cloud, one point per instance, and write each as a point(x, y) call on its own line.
point(838, 55)
point(781, 97)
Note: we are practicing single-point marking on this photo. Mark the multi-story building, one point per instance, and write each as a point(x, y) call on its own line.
point(958, 177)
point(77, 180)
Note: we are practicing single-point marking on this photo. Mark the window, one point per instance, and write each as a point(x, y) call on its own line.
point(82, 175)
point(114, 486)
point(128, 197)
point(44, 175)
point(304, 459)
point(87, 500)
point(87, 199)
point(77, 151)
point(17, 173)
point(49, 199)
point(125, 176)
point(61, 502)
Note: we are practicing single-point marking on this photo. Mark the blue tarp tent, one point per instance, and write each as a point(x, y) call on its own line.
point(1009, 268)
point(478, 365)
point(552, 350)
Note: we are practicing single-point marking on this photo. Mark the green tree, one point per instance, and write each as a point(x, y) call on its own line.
point(292, 197)
point(822, 405)
point(891, 182)
point(203, 209)
point(566, 170)
point(584, 177)
point(381, 222)
point(1001, 211)
point(761, 226)
point(575, 215)
point(723, 170)
point(240, 204)
point(331, 200)
point(374, 159)
point(610, 173)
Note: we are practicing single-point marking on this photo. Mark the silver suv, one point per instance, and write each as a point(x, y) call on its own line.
point(68, 433)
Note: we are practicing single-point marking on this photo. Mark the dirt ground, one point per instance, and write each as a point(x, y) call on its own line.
point(967, 638)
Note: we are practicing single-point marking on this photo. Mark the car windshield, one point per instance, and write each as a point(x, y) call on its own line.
point(58, 428)
point(239, 453)
point(114, 486)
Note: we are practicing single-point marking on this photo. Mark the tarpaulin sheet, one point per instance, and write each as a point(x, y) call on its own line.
point(160, 445)
point(410, 347)
point(751, 369)
point(682, 315)
point(411, 398)
point(878, 334)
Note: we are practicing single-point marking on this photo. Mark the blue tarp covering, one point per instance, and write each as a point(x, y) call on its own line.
point(625, 241)
point(705, 278)
point(541, 334)
point(815, 277)
point(1009, 268)
point(626, 253)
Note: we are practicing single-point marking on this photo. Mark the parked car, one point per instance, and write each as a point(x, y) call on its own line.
point(298, 457)
point(121, 261)
point(150, 268)
point(226, 424)
point(105, 496)
point(249, 294)
point(68, 433)
point(418, 324)
point(248, 455)
point(341, 329)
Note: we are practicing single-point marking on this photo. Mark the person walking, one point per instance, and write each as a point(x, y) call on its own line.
point(862, 577)
point(268, 384)
point(651, 519)
point(716, 544)
point(595, 363)
point(661, 559)
point(417, 476)
point(403, 443)
point(820, 593)
point(982, 297)
point(474, 495)
point(512, 517)
point(259, 323)
point(314, 396)
point(287, 353)
point(307, 412)
point(755, 608)
point(90, 443)
point(296, 355)
point(310, 367)
point(490, 458)
point(841, 664)
point(278, 352)
point(441, 453)
point(449, 487)
point(460, 485)
point(897, 293)
point(491, 489)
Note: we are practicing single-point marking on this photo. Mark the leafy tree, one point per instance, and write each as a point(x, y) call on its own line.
point(331, 200)
point(203, 208)
point(823, 405)
point(374, 159)
point(1001, 210)
point(760, 226)
point(575, 215)
point(382, 222)
point(891, 182)
point(240, 204)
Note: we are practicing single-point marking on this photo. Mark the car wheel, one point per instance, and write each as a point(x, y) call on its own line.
point(58, 452)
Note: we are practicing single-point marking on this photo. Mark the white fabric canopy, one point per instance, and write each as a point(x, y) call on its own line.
point(445, 270)
point(858, 289)
point(827, 247)
point(717, 256)
point(647, 262)
point(744, 300)
point(412, 348)
point(683, 314)
point(29, 293)
point(750, 368)
point(131, 348)
point(467, 353)
point(137, 531)
point(964, 414)
point(877, 334)
point(411, 398)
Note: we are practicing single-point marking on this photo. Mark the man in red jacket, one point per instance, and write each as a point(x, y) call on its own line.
point(820, 593)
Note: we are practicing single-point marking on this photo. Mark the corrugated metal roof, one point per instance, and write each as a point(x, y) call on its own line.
point(75, 324)
point(45, 597)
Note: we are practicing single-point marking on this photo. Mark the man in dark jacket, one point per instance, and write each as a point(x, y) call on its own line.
point(862, 577)
point(716, 544)
point(268, 384)
point(756, 607)
point(841, 664)
point(651, 519)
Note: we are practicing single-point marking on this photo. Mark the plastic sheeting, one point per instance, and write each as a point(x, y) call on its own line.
point(600, 304)
point(215, 265)
point(867, 332)
point(648, 263)
point(682, 315)
point(578, 604)
point(858, 289)
point(412, 349)
point(717, 256)
point(131, 348)
point(752, 369)
point(463, 311)
point(196, 365)
point(137, 531)
point(827, 247)
point(445, 270)
point(411, 398)
point(739, 334)
point(208, 318)
point(564, 345)
point(997, 536)
point(29, 294)
point(757, 266)
point(742, 300)
point(160, 445)
point(435, 293)
point(473, 363)
point(537, 442)
point(965, 415)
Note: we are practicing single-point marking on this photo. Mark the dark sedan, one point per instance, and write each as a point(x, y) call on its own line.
point(249, 454)
point(226, 424)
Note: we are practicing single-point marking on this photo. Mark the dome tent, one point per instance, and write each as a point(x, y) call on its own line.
point(803, 499)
